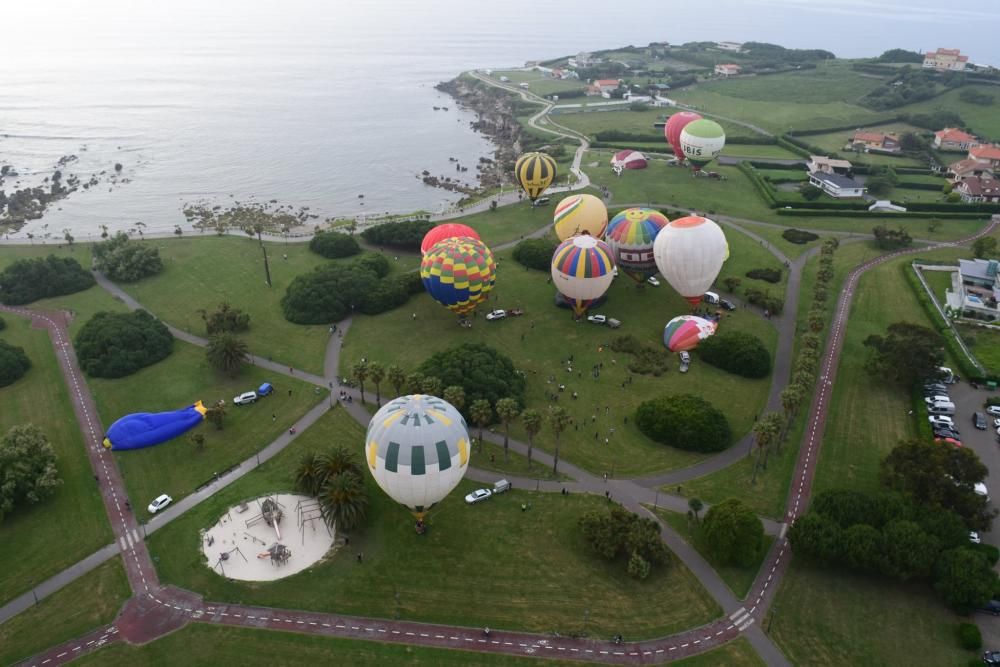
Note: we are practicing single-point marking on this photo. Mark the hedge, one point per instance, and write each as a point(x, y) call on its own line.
point(775, 166)
point(763, 189)
point(907, 185)
point(785, 142)
point(799, 212)
point(844, 128)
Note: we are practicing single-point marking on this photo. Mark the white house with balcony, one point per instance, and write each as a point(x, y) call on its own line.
point(837, 185)
point(975, 287)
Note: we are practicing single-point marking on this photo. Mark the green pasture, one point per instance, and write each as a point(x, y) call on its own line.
point(177, 467)
point(939, 282)
point(47, 537)
point(543, 339)
point(533, 566)
point(834, 142)
point(829, 82)
point(983, 120)
point(774, 237)
point(509, 224)
point(984, 344)
point(634, 122)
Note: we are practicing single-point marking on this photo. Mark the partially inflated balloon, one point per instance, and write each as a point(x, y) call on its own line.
point(458, 273)
point(582, 270)
point(689, 252)
point(448, 230)
point(630, 236)
point(145, 429)
point(702, 140)
point(534, 173)
point(672, 130)
point(580, 214)
point(685, 332)
point(417, 449)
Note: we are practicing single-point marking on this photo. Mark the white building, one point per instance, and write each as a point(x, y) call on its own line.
point(976, 287)
point(837, 186)
point(735, 47)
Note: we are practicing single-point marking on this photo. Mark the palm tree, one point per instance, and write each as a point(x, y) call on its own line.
point(455, 395)
point(791, 399)
point(559, 420)
point(508, 410)
point(337, 460)
point(397, 378)
point(696, 506)
point(764, 434)
point(343, 501)
point(377, 373)
point(413, 383)
point(482, 414)
point(309, 474)
point(532, 425)
point(432, 386)
point(360, 373)
point(227, 353)
point(774, 424)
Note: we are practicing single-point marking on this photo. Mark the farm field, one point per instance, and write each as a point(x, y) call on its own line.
point(983, 120)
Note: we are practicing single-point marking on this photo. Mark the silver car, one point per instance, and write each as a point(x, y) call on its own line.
point(478, 496)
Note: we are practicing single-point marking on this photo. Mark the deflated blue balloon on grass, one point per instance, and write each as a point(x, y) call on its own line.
point(145, 429)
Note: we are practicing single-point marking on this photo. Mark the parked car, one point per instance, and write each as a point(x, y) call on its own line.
point(974, 537)
point(931, 389)
point(931, 400)
point(946, 433)
point(597, 319)
point(685, 362)
point(993, 607)
point(992, 657)
point(653, 281)
point(613, 323)
point(954, 442)
point(996, 423)
point(245, 398)
point(727, 304)
point(265, 389)
point(938, 420)
point(979, 420)
point(541, 201)
point(993, 410)
point(160, 502)
point(501, 486)
point(477, 496)
point(496, 315)
point(710, 297)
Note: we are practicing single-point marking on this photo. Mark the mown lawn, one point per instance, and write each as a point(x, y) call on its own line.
point(544, 338)
point(834, 142)
point(89, 602)
point(539, 83)
point(939, 282)
point(774, 237)
point(533, 566)
point(984, 344)
point(211, 645)
point(739, 579)
point(177, 467)
point(633, 122)
point(509, 223)
point(46, 538)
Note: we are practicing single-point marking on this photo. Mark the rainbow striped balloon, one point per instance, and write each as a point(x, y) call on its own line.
point(458, 273)
point(582, 270)
point(685, 332)
point(580, 214)
point(630, 235)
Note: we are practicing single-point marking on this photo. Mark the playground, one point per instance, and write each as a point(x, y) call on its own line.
point(268, 538)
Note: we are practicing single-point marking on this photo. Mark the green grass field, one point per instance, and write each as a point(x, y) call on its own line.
point(542, 339)
point(739, 579)
point(59, 531)
point(634, 122)
point(540, 83)
point(92, 600)
point(984, 344)
point(208, 646)
point(509, 223)
point(774, 237)
point(984, 120)
point(837, 618)
point(177, 467)
point(939, 282)
point(834, 142)
point(532, 566)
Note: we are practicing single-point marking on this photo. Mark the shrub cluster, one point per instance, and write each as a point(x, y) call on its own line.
point(334, 245)
point(767, 275)
point(798, 236)
point(648, 360)
point(481, 371)
point(535, 253)
point(113, 345)
point(736, 352)
point(763, 299)
point(28, 280)
point(684, 421)
point(619, 535)
point(124, 260)
point(14, 363)
point(405, 235)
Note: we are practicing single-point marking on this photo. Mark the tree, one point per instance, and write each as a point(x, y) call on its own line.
point(684, 421)
point(559, 421)
point(907, 551)
point(964, 579)
point(910, 141)
point(879, 185)
point(28, 473)
point(414, 383)
point(397, 378)
point(535, 253)
point(334, 245)
point(121, 259)
point(28, 280)
point(816, 321)
point(227, 353)
point(198, 440)
point(901, 56)
point(764, 434)
point(482, 414)
point(376, 372)
point(432, 386)
point(310, 473)
point(888, 239)
point(736, 352)
point(984, 247)
point(405, 235)
point(507, 410)
point(817, 537)
point(908, 353)
point(731, 283)
point(618, 533)
point(791, 399)
point(455, 395)
point(533, 421)
point(216, 415)
point(810, 192)
point(343, 500)
point(14, 363)
point(113, 345)
point(695, 505)
point(733, 533)
point(862, 548)
point(359, 372)
point(482, 371)
point(225, 319)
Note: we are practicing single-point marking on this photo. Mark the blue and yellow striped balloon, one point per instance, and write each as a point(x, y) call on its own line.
point(458, 273)
point(582, 270)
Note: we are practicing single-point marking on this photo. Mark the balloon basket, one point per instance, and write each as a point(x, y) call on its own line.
point(420, 527)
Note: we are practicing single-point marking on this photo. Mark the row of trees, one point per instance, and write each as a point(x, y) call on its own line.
point(28, 280)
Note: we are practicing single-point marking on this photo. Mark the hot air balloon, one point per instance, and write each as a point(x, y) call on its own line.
point(582, 270)
point(417, 449)
point(630, 236)
point(580, 214)
point(145, 429)
point(685, 332)
point(446, 231)
point(535, 172)
point(702, 140)
point(689, 252)
point(458, 273)
point(672, 130)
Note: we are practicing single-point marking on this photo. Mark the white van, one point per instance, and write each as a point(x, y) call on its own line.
point(501, 486)
point(710, 297)
point(942, 408)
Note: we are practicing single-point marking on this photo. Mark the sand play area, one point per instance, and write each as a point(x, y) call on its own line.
point(267, 538)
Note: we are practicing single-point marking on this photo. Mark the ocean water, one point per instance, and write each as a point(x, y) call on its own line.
point(313, 103)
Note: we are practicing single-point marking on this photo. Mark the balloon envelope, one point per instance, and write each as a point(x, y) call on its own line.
point(582, 270)
point(446, 231)
point(417, 449)
point(702, 140)
point(672, 130)
point(685, 332)
point(535, 172)
point(458, 273)
point(689, 252)
point(630, 236)
point(145, 429)
point(580, 214)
